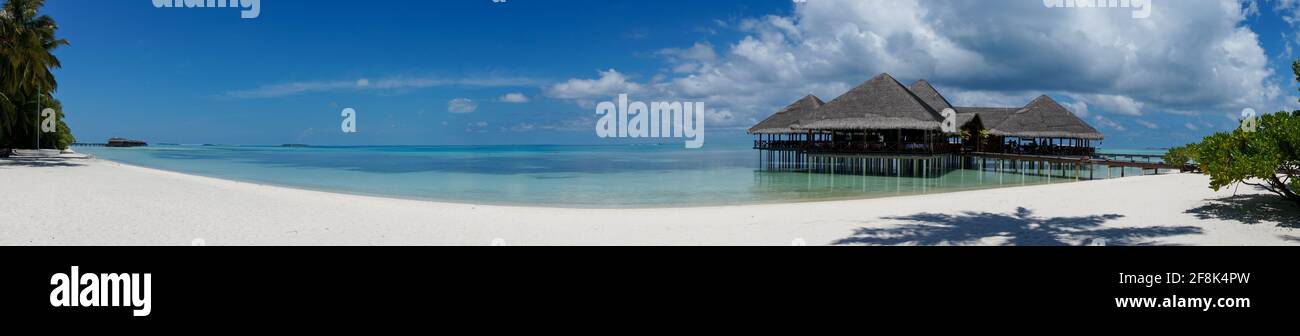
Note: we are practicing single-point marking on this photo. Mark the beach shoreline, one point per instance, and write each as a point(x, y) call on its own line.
point(99, 202)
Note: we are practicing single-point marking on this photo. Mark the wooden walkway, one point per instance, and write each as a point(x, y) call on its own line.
point(1154, 162)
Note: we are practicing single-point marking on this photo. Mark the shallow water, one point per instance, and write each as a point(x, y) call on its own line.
point(561, 176)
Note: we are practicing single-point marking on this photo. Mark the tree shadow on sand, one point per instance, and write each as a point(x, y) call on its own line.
point(38, 162)
point(1021, 228)
point(1251, 209)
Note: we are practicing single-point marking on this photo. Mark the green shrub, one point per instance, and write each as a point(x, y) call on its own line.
point(1181, 156)
point(1268, 158)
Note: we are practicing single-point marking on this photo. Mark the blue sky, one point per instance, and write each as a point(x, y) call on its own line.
point(529, 71)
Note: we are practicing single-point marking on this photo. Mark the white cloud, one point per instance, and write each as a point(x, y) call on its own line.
point(985, 98)
point(1112, 103)
point(690, 59)
point(1289, 9)
point(522, 127)
point(570, 125)
point(1250, 8)
point(1080, 108)
point(477, 127)
point(1147, 124)
point(700, 52)
point(1111, 124)
point(719, 117)
point(395, 83)
point(1191, 57)
point(515, 98)
point(1191, 126)
point(462, 105)
point(610, 83)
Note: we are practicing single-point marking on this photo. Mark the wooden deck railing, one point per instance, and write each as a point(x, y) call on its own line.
point(855, 147)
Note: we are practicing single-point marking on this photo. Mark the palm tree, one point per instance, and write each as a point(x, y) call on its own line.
point(27, 44)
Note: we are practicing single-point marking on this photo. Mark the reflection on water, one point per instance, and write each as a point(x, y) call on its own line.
point(794, 185)
point(567, 176)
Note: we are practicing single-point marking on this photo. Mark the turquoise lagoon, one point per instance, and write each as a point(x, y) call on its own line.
point(553, 176)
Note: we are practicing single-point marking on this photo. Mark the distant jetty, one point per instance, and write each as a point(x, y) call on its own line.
point(120, 142)
point(115, 142)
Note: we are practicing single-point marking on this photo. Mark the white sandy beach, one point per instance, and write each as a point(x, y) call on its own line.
point(97, 202)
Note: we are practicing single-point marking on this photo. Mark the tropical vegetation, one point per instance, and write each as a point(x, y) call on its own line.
point(1268, 158)
point(1263, 153)
point(28, 40)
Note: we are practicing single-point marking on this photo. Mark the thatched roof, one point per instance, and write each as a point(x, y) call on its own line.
point(922, 89)
point(964, 119)
point(780, 122)
point(1044, 118)
point(990, 116)
point(880, 103)
point(883, 103)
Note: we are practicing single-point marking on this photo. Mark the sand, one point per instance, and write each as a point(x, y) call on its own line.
point(97, 202)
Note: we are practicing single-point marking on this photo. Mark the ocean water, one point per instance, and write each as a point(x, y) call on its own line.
point(554, 176)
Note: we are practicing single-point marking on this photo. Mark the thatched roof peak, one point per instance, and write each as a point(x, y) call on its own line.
point(879, 103)
point(781, 122)
point(1044, 101)
point(810, 99)
point(929, 95)
point(1045, 118)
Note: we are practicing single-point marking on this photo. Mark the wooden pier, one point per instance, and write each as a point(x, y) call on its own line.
point(1098, 166)
point(1154, 163)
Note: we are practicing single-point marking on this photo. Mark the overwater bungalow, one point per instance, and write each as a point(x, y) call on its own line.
point(1043, 127)
point(883, 116)
point(882, 126)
